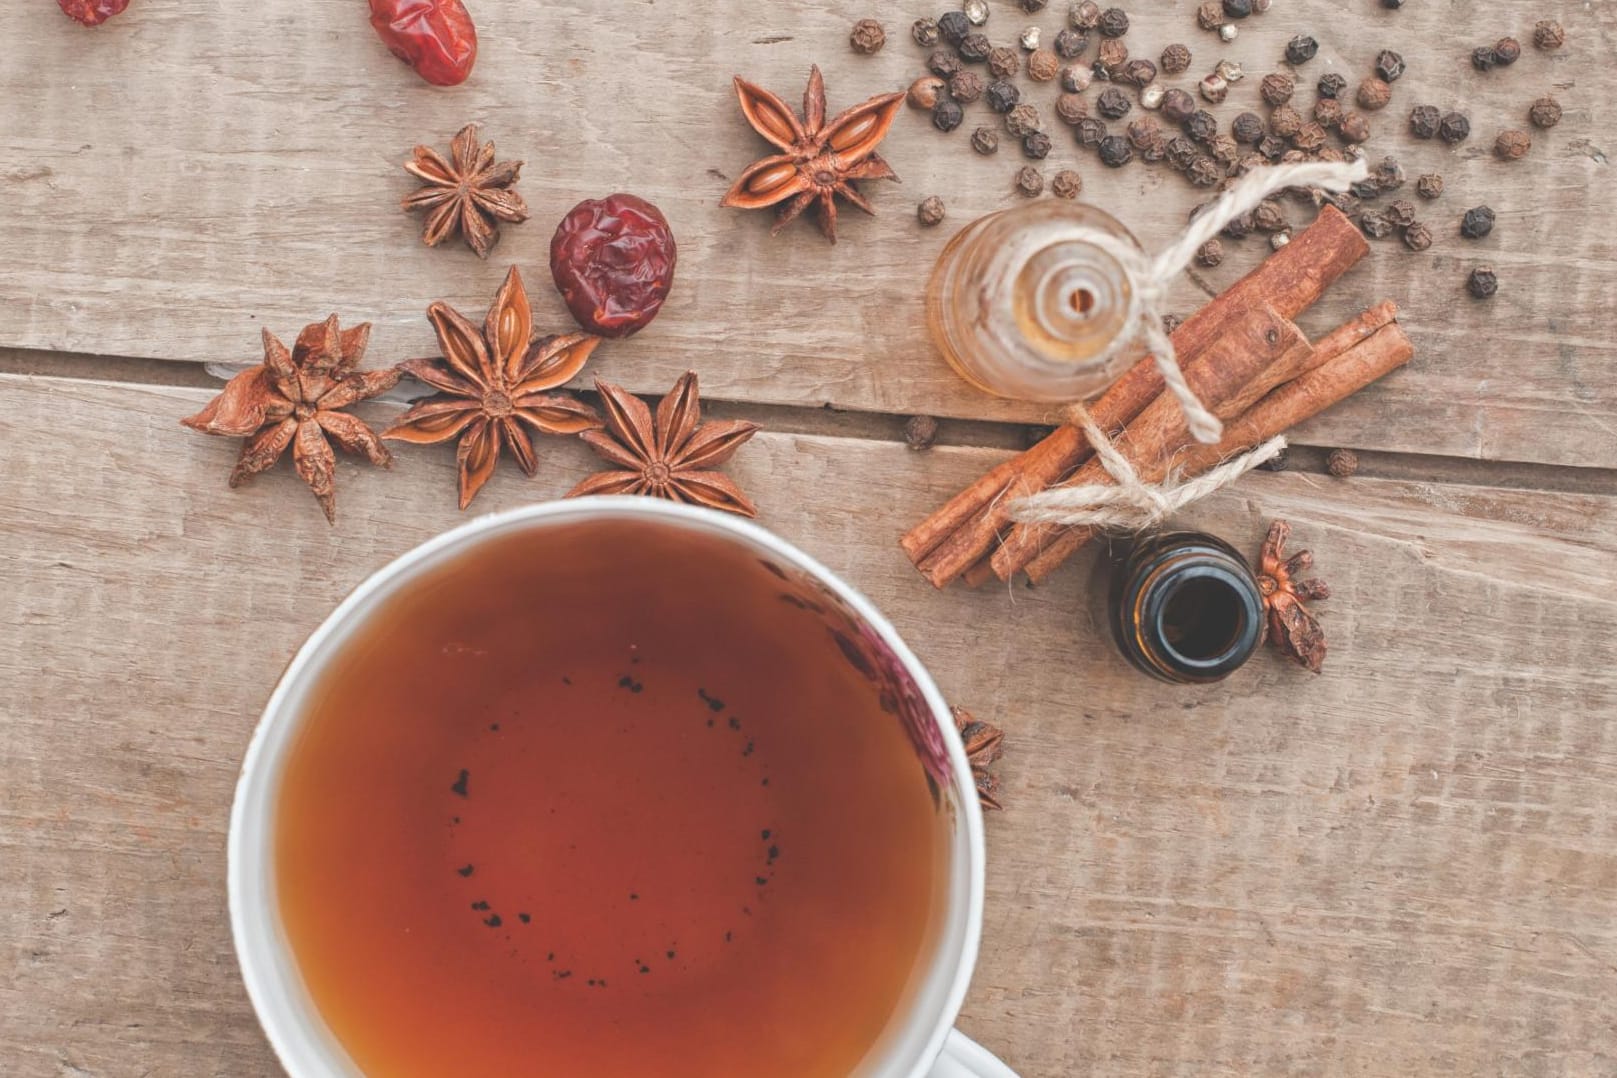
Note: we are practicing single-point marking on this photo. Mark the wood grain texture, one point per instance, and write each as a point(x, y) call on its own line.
point(191, 171)
point(1405, 866)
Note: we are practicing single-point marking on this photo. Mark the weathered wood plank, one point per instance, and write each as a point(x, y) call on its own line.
point(1405, 866)
point(189, 172)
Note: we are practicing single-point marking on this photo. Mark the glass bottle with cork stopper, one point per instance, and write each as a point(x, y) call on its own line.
point(1035, 302)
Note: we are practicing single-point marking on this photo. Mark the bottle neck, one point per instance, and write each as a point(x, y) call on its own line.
point(1186, 608)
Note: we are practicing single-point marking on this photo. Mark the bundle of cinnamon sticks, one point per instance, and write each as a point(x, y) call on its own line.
point(1245, 360)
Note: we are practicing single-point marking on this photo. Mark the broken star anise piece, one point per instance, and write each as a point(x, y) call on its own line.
point(670, 456)
point(1290, 627)
point(468, 193)
point(296, 399)
point(492, 387)
point(821, 160)
point(984, 745)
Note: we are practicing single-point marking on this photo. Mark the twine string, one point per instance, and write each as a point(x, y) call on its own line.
point(1151, 277)
point(1132, 505)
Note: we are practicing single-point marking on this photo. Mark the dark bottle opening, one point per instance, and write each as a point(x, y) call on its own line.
point(1185, 607)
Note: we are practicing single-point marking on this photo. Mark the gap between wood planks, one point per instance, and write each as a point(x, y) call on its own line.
point(875, 426)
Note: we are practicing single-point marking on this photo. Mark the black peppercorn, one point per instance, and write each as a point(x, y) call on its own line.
point(1483, 58)
point(1545, 112)
point(985, 140)
point(975, 47)
point(1285, 121)
point(1175, 59)
point(923, 92)
point(1110, 57)
point(1154, 148)
point(1269, 217)
point(1454, 127)
point(922, 430)
point(1512, 145)
point(1030, 181)
point(1201, 126)
point(1477, 222)
point(1237, 9)
point(1084, 15)
point(1030, 6)
point(1482, 283)
point(1070, 43)
point(1389, 65)
point(1240, 226)
point(1066, 184)
point(1272, 147)
point(1388, 176)
point(1373, 94)
point(1070, 108)
point(1075, 78)
point(1392, 5)
point(966, 87)
point(1247, 128)
point(1400, 212)
point(1276, 89)
point(1138, 73)
point(1331, 85)
point(1507, 50)
point(1375, 225)
point(1423, 121)
point(1301, 49)
point(1142, 131)
point(1328, 112)
point(1178, 106)
point(867, 37)
point(929, 213)
point(1204, 171)
point(943, 62)
point(1114, 22)
point(1043, 65)
point(1037, 145)
point(1210, 254)
point(954, 26)
point(1279, 461)
point(1548, 35)
point(1002, 95)
point(1365, 189)
point(947, 114)
point(925, 32)
point(1417, 236)
point(1210, 15)
point(1181, 152)
point(1089, 132)
point(1354, 127)
point(1171, 322)
point(1309, 137)
point(1224, 149)
point(1429, 185)
point(1112, 103)
point(1004, 62)
point(1023, 120)
point(1115, 151)
point(1342, 463)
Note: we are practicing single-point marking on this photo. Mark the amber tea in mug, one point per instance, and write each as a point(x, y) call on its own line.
point(609, 798)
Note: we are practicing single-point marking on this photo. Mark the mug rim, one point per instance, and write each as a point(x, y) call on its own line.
point(262, 950)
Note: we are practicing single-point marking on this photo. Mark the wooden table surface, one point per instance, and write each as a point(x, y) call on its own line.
point(1407, 865)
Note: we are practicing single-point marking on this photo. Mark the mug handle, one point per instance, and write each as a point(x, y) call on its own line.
point(963, 1057)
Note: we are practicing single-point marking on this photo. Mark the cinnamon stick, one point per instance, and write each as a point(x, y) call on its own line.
point(965, 530)
point(1363, 361)
point(1256, 354)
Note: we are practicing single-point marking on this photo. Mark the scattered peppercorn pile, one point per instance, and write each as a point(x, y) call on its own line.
point(1120, 107)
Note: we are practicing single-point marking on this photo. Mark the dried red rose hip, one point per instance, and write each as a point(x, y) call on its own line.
point(92, 12)
point(613, 260)
point(436, 37)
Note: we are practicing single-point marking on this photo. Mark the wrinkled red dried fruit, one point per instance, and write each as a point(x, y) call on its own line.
point(436, 37)
point(613, 261)
point(92, 12)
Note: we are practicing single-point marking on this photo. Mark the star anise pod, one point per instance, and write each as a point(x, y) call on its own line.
point(984, 745)
point(670, 456)
point(1290, 627)
point(468, 193)
point(296, 399)
point(492, 387)
point(821, 160)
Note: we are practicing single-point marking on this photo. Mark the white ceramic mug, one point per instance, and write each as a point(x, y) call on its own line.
point(920, 1043)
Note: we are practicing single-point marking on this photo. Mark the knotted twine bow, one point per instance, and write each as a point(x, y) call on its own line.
point(1132, 504)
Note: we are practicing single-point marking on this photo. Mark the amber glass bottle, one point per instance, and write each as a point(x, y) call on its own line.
point(1184, 606)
